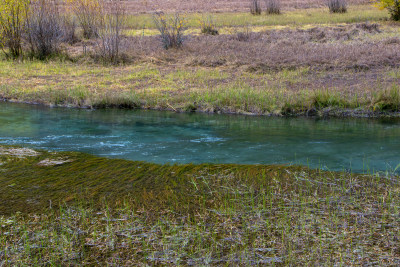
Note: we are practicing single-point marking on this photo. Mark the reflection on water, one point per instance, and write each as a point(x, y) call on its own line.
point(163, 137)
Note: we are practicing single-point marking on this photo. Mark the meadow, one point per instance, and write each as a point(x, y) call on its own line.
point(303, 62)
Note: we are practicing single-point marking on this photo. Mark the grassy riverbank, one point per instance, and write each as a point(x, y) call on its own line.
point(122, 212)
point(146, 85)
point(305, 62)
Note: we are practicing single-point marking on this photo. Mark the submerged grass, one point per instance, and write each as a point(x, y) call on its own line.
point(88, 210)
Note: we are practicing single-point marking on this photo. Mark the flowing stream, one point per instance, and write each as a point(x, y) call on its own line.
point(357, 145)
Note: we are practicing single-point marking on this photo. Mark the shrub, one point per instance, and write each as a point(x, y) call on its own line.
point(69, 30)
point(171, 30)
point(337, 6)
point(273, 7)
point(12, 21)
point(44, 29)
point(255, 8)
point(393, 6)
point(111, 22)
point(207, 26)
point(88, 14)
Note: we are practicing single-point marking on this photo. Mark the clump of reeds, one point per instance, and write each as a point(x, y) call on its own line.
point(207, 26)
point(387, 100)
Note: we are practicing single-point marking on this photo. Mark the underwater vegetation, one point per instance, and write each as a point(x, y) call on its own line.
point(69, 208)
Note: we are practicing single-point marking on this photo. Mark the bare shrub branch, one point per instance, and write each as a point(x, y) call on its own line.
point(111, 23)
point(337, 6)
point(255, 7)
point(44, 29)
point(273, 7)
point(69, 29)
point(171, 29)
point(87, 13)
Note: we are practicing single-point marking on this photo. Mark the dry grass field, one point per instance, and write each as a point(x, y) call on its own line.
point(306, 61)
point(146, 6)
point(340, 69)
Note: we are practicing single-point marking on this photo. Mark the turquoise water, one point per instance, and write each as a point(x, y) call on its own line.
point(357, 145)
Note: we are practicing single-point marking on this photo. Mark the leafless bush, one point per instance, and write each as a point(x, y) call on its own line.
point(255, 7)
point(109, 42)
point(337, 6)
point(44, 29)
point(273, 6)
point(87, 13)
point(69, 30)
point(171, 30)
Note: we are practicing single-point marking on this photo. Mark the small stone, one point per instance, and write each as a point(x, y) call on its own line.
point(53, 162)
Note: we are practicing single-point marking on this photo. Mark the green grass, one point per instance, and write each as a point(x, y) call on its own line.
point(91, 210)
point(181, 89)
point(295, 18)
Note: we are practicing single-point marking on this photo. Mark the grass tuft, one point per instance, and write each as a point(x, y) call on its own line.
point(207, 26)
point(388, 100)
